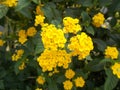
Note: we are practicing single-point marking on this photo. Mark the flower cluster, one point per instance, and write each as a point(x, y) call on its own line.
point(98, 19)
point(10, 3)
point(111, 52)
point(22, 66)
point(116, 69)
point(79, 82)
point(52, 37)
point(31, 31)
point(71, 25)
point(1, 42)
point(39, 20)
point(81, 45)
point(67, 85)
point(69, 74)
point(17, 55)
point(50, 59)
point(40, 80)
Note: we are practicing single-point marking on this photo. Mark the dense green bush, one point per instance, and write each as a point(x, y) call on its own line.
point(59, 44)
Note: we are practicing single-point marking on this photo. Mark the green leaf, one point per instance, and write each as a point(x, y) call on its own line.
point(61, 79)
point(39, 47)
point(36, 1)
point(3, 10)
point(90, 30)
point(2, 85)
point(104, 2)
point(111, 80)
point(86, 18)
point(101, 45)
point(52, 84)
point(85, 3)
point(2, 72)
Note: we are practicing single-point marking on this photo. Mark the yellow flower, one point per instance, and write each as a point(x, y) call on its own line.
point(69, 74)
point(98, 19)
point(40, 80)
point(80, 45)
point(116, 69)
point(22, 66)
point(38, 89)
point(22, 36)
point(52, 37)
point(111, 52)
point(1, 33)
point(39, 11)
point(31, 31)
point(10, 3)
point(79, 82)
point(39, 19)
point(71, 25)
point(50, 59)
point(68, 85)
point(17, 55)
point(1, 42)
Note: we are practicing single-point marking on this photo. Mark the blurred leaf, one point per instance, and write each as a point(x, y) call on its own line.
point(57, 0)
point(86, 18)
point(39, 47)
point(23, 8)
point(111, 80)
point(90, 30)
point(2, 72)
point(51, 12)
point(104, 2)
point(61, 78)
point(86, 3)
point(3, 10)
point(2, 85)
point(36, 1)
point(52, 84)
point(101, 45)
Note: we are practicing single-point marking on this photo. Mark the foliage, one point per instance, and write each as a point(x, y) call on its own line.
point(59, 44)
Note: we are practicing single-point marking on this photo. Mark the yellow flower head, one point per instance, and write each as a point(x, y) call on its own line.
point(17, 55)
point(31, 31)
point(1, 42)
point(71, 25)
point(39, 19)
point(69, 74)
point(79, 82)
point(40, 80)
point(116, 69)
point(39, 11)
point(1, 33)
point(52, 37)
point(10, 3)
point(22, 36)
point(68, 85)
point(98, 19)
point(111, 52)
point(22, 66)
point(38, 89)
point(81, 45)
point(50, 59)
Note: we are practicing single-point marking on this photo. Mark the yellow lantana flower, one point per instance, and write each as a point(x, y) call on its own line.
point(1, 42)
point(79, 82)
point(22, 66)
point(69, 74)
point(10, 3)
point(67, 85)
point(98, 19)
point(111, 52)
point(40, 80)
point(116, 69)
point(39, 19)
point(31, 31)
point(71, 25)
